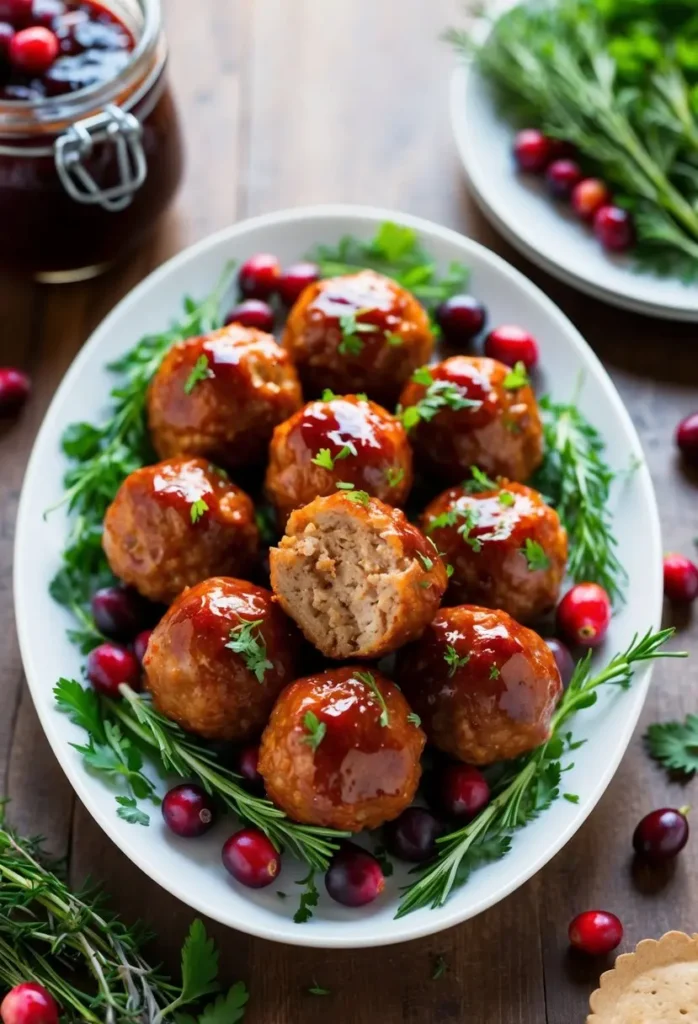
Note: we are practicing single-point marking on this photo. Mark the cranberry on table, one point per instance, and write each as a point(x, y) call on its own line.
point(595, 932)
point(140, 644)
point(33, 50)
point(118, 612)
point(589, 196)
point(188, 810)
point(14, 390)
point(614, 228)
point(259, 276)
point(461, 317)
point(252, 313)
point(661, 834)
point(251, 858)
point(247, 761)
point(584, 614)
point(687, 438)
point(563, 658)
point(561, 177)
point(29, 1003)
point(413, 835)
point(532, 151)
point(109, 665)
point(463, 791)
point(511, 344)
point(680, 579)
point(354, 878)
point(295, 279)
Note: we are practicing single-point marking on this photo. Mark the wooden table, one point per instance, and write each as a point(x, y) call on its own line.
point(286, 102)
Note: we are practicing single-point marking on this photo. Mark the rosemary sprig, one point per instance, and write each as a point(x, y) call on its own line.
point(530, 785)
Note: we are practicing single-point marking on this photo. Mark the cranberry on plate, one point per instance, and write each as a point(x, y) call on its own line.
point(252, 313)
point(614, 228)
point(463, 791)
point(532, 151)
point(595, 932)
point(14, 390)
point(661, 834)
point(511, 345)
point(561, 177)
point(412, 836)
point(140, 644)
point(461, 318)
point(259, 276)
point(295, 279)
point(589, 196)
point(354, 878)
point(251, 858)
point(118, 612)
point(110, 665)
point(29, 1003)
point(563, 658)
point(584, 614)
point(246, 765)
point(188, 810)
point(680, 579)
point(687, 438)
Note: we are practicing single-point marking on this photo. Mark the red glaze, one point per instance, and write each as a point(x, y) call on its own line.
point(252, 313)
point(596, 932)
point(490, 566)
point(532, 151)
point(151, 541)
point(463, 791)
point(584, 614)
point(680, 579)
point(354, 878)
point(687, 438)
point(33, 50)
point(614, 228)
point(229, 416)
point(589, 196)
point(259, 276)
point(382, 465)
point(188, 810)
point(108, 666)
point(461, 318)
point(295, 279)
point(498, 703)
point(316, 343)
point(14, 390)
point(202, 684)
point(661, 835)
point(251, 858)
point(29, 1003)
point(362, 773)
point(511, 345)
point(561, 177)
point(502, 436)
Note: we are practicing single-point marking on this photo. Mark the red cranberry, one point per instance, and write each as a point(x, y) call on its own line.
point(252, 313)
point(532, 151)
point(614, 228)
point(140, 644)
point(34, 49)
point(561, 148)
point(561, 177)
point(563, 658)
point(259, 276)
point(687, 438)
point(354, 878)
point(247, 761)
point(464, 791)
point(595, 932)
point(14, 390)
point(680, 579)
point(460, 318)
point(295, 279)
point(188, 810)
point(510, 344)
point(17, 12)
point(589, 196)
point(110, 665)
point(44, 11)
point(251, 858)
point(584, 614)
point(6, 34)
point(413, 835)
point(118, 612)
point(29, 1003)
point(661, 834)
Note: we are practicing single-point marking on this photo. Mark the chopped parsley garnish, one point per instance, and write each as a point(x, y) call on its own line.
point(317, 990)
point(494, 672)
point(534, 555)
point(470, 519)
point(368, 679)
point(414, 719)
point(394, 475)
point(440, 394)
point(516, 378)
point(449, 518)
point(351, 343)
point(309, 898)
point(328, 394)
point(345, 485)
point(453, 661)
point(675, 744)
point(360, 497)
point(572, 797)
point(427, 562)
point(480, 482)
point(393, 339)
point(440, 968)
point(315, 730)
point(247, 641)
point(323, 459)
point(199, 371)
point(197, 509)
point(425, 584)
point(449, 570)
point(362, 396)
point(507, 499)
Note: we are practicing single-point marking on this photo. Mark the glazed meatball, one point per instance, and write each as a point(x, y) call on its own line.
point(346, 439)
point(484, 686)
point(176, 523)
point(507, 547)
point(361, 332)
point(342, 750)
point(470, 411)
point(220, 396)
point(356, 576)
point(219, 658)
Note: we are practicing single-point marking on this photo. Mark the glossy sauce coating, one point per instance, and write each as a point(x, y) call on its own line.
point(491, 564)
point(367, 445)
point(502, 434)
point(151, 540)
point(201, 683)
point(245, 386)
point(377, 361)
point(484, 686)
point(361, 772)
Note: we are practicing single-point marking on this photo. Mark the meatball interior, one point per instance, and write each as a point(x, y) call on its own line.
point(342, 750)
point(469, 411)
point(338, 439)
point(219, 657)
point(507, 547)
point(356, 576)
point(359, 332)
point(175, 523)
point(484, 686)
point(221, 396)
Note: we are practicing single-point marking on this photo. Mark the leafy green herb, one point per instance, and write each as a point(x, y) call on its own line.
point(479, 482)
point(362, 396)
point(323, 459)
point(453, 661)
point(449, 570)
point(351, 328)
point(427, 563)
point(440, 394)
point(507, 499)
point(470, 518)
point(394, 340)
point(246, 640)
point(317, 990)
point(328, 394)
point(360, 497)
point(200, 371)
point(414, 719)
point(381, 855)
point(494, 672)
point(439, 969)
point(394, 475)
point(571, 797)
point(315, 730)
point(516, 378)
point(309, 898)
point(197, 509)
point(535, 555)
point(369, 680)
point(675, 744)
point(445, 519)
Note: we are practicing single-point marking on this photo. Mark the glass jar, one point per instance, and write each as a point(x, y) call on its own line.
point(84, 176)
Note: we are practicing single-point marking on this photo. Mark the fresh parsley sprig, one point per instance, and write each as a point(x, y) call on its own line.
point(369, 680)
point(675, 745)
point(246, 639)
point(439, 394)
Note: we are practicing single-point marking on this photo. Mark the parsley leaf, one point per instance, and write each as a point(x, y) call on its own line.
point(199, 964)
point(494, 672)
point(324, 459)
point(414, 719)
point(393, 339)
point(197, 509)
point(360, 497)
point(507, 499)
point(309, 898)
point(369, 680)
point(439, 394)
point(328, 394)
point(534, 555)
point(470, 518)
point(227, 1009)
point(315, 728)
point(675, 744)
point(453, 661)
point(571, 797)
point(479, 482)
point(394, 475)
point(351, 344)
point(200, 371)
point(516, 378)
point(422, 375)
point(247, 641)
point(130, 811)
point(345, 485)
point(427, 562)
point(317, 990)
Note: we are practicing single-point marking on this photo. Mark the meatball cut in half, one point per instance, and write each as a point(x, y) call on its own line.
point(219, 658)
point(361, 332)
point(507, 547)
point(359, 580)
point(484, 686)
point(336, 440)
point(221, 396)
point(176, 523)
point(470, 411)
point(342, 749)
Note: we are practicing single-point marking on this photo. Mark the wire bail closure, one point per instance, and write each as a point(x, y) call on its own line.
point(112, 126)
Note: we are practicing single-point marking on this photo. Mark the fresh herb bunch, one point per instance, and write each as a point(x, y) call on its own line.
point(119, 757)
point(618, 80)
point(88, 959)
point(530, 785)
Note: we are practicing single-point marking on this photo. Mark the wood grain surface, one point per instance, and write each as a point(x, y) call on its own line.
point(286, 102)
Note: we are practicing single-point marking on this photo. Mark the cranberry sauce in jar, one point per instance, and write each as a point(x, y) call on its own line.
point(90, 151)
